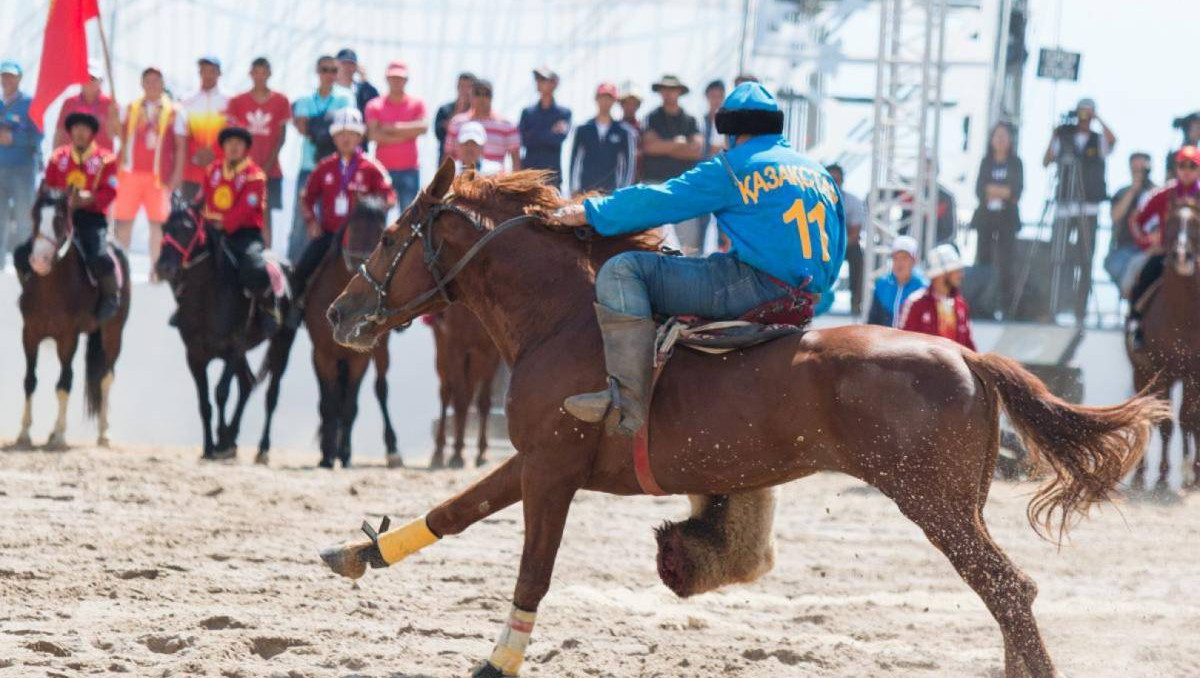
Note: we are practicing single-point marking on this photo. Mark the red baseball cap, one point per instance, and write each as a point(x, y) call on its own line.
point(1189, 153)
point(607, 88)
point(397, 69)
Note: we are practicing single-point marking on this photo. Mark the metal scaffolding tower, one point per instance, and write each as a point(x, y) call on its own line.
point(904, 146)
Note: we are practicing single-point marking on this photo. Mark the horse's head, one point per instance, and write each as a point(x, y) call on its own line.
point(184, 241)
point(391, 286)
point(1182, 237)
point(52, 229)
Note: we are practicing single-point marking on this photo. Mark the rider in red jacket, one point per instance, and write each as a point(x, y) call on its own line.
point(1148, 226)
point(88, 173)
point(940, 309)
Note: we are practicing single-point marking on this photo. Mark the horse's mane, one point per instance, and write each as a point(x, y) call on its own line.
point(530, 192)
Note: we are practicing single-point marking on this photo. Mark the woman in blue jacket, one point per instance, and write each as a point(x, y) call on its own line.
point(781, 212)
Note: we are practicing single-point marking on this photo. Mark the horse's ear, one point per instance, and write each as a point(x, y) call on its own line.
point(440, 186)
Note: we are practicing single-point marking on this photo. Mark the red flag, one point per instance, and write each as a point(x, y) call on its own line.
point(64, 53)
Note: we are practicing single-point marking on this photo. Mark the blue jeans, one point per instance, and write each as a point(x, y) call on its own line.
point(298, 238)
point(407, 184)
point(717, 287)
point(17, 187)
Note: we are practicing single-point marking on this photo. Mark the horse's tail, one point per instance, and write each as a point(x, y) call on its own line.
point(95, 366)
point(1089, 449)
point(279, 348)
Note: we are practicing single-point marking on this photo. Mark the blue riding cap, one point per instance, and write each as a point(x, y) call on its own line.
point(749, 109)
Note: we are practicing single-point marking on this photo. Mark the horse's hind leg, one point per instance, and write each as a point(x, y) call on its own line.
point(66, 345)
point(382, 362)
point(222, 395)
point(483, 403)
point(354, 378)
point(461, 396)
point(439, 439)
point(957, 530)
point(30, 344)
point(494, 492)
point(245, 381)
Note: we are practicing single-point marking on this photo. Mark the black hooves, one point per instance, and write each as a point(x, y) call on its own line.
point(486, 670)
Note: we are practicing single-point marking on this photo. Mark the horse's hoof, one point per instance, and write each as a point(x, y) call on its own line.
point(486, 670)
point(481, 461)
point(326, 463)
point(394, 460)
point(224, 453)
point(56, 443)
point(457, 461)
point(23, 442)
point(350, 559)
point(103, 442)
point(436, 463)
point(262, 458)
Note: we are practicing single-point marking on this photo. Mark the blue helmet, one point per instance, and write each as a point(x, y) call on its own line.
point(749, 109)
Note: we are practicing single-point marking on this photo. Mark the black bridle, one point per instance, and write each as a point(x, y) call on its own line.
point(423, 230)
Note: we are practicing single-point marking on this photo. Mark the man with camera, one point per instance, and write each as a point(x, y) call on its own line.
point(1189, 126)
point(1124, 251)
point(1081, 154)
point(312, 115)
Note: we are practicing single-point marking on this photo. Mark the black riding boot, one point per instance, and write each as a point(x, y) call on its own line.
point(110, 298)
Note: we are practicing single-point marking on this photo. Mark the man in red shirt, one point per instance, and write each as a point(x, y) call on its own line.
point(91, 100)
point(394, 122)
point(265, 113)
point(329, 196)
point(89, 174)
point(234, 195)
point(940, 309)
point(151, 162)
point(1148, 226)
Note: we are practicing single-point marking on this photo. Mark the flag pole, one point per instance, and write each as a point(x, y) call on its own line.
point(112, 86)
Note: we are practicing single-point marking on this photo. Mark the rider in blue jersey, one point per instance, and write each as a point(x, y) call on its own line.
point(781, 211)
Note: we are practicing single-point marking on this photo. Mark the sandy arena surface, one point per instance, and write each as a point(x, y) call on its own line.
point(146, 562)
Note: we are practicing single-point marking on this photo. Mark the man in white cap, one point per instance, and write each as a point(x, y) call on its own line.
point(1081, 155)
point(331, 193)
point(471, 139)
point(93, 101)
point(940, 309)
point(893, 289)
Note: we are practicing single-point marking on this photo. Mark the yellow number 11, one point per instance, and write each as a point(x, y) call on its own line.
point(803, 218)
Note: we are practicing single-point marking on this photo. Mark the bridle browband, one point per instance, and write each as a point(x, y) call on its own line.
point(423, 230)
point(199, 238)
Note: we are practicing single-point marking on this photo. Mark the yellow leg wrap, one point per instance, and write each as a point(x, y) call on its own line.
point(510, 647)
point(396, 545)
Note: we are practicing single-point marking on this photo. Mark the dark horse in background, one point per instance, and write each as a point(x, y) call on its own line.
point(1171, 341)
point(340, 370)
point(58, 302)
point(215, 322)
point(917, 417)
point(467, 362)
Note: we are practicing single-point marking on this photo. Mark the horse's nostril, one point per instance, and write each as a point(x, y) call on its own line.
point(333, 315)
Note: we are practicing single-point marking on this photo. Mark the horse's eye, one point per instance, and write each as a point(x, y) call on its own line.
point(387, 241)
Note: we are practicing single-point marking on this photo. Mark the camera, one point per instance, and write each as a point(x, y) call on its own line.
point(1069, 119)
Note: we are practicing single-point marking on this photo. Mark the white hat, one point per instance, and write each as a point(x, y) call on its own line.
point(906, 244)
point(347, 120)
point(472, 131)
point(943, 259)
point(94, 69)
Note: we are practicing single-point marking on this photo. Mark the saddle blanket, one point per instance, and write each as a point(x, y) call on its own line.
point(787, 315)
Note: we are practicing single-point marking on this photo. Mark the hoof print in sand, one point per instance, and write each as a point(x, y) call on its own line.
point(47, 647)
point(222, 622)
point(270, 647)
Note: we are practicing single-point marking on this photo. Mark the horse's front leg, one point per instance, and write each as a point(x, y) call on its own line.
point(494, 492)
point(546, 496)
point(245, 382)
point(66, 345)
point(30, 343)
point(199, 368)
point(224, 383)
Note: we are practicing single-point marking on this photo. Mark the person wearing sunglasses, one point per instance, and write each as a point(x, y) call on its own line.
point(1148, 229)
point(503, 137)
point(312, 116)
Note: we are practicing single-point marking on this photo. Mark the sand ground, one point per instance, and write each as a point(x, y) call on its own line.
point(144, 561)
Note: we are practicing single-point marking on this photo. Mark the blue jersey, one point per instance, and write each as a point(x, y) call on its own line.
point(781, 211)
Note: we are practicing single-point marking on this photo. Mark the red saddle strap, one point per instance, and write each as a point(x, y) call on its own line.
point(641, 447)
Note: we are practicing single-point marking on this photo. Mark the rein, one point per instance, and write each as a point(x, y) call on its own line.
point(423, 230)
point(199, 238)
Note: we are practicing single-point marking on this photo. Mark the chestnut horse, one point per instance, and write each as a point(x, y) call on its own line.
point(58, 302)
point(1171, 340)
point(915, 416)
point(213, 320)
point(340, 370)
point(467, 361)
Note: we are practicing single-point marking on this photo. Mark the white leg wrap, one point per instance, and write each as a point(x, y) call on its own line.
point(27, 418)
point(510, 647)
point(105, 383)
point(60, 424)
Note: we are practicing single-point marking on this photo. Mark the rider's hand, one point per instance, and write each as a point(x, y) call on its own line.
point(569, 215)
point(85, 198)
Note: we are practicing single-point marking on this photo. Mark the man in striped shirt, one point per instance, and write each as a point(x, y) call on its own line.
point(503, 137)
point(604, 151)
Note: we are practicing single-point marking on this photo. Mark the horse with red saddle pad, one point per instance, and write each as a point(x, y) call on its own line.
point(915, 416)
